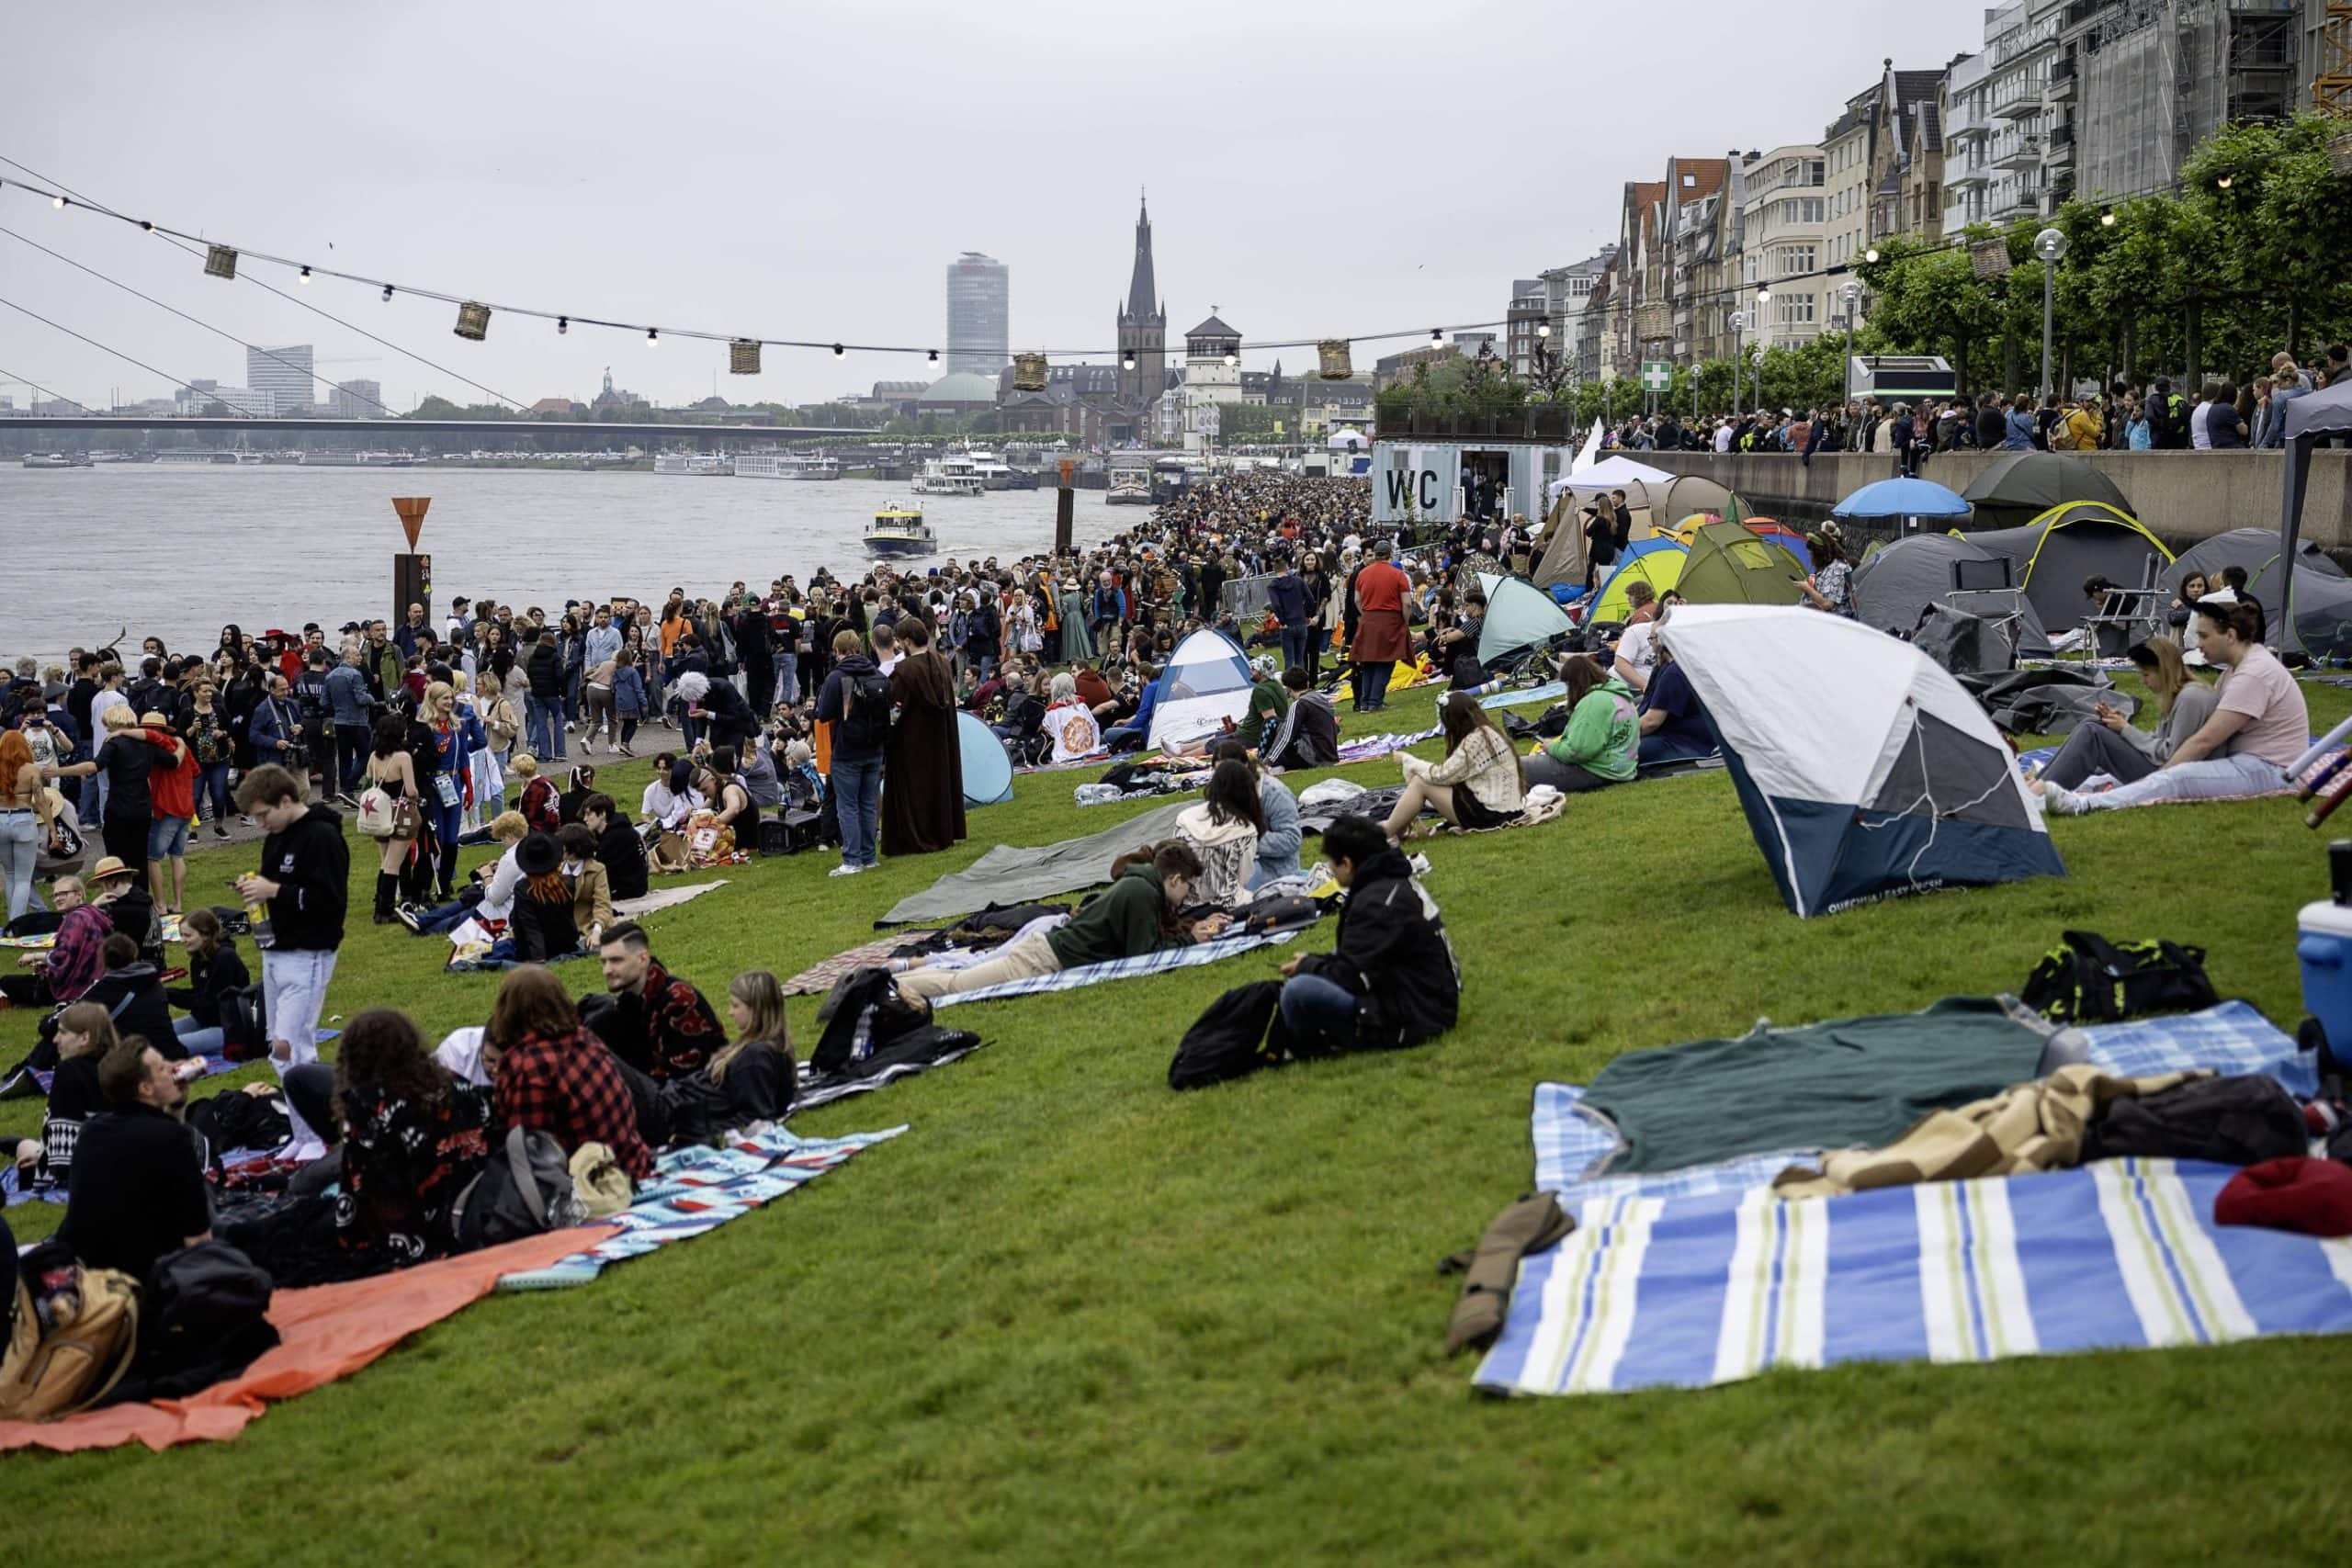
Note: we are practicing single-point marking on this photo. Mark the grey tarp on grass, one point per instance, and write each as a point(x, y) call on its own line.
point(1011, 875)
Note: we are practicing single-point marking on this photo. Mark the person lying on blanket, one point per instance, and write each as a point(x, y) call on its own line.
point(1138, 915)
point(1390, 979)
point(2260, 725)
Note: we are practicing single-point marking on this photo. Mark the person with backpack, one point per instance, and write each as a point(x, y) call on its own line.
point(856, 700)
point(549, 1073)
point(215, 970)
point(1390, 979)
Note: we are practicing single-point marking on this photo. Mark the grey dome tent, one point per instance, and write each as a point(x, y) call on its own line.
point(1895, 585)
point(2315, 620)
point(2318, 601)
point(2014, 490)
point(2049, 557)
point(1690, 496)
point(2255, 549)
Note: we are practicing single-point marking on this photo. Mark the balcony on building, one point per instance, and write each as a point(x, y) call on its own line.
point(2017, 153)
point(2061, 139)
point(2019, 98)
point(2062, 76)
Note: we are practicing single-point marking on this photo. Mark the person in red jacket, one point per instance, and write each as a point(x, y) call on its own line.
point(1381, 638)
point(171, 789)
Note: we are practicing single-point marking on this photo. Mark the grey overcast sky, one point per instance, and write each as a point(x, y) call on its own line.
point(809, 171)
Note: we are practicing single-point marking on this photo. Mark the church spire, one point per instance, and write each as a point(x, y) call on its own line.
point(1140, 288)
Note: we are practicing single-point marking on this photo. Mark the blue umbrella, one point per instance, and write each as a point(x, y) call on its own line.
point(1902, 498)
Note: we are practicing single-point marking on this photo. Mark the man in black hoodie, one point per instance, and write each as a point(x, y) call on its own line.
point(305, 878)
point(856, 700)
point(617, 845)
point(1390, 979)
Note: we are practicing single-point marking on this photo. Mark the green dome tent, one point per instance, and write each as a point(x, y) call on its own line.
point(1519, 616)
point(1730, 564)
point(2016, 489)
point(1658, 562)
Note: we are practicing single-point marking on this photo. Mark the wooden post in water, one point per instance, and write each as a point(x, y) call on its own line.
point(411, 573)
point(1064, 515)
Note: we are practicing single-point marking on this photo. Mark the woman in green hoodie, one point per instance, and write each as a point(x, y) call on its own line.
point(1137, 916)
point(1603, 736)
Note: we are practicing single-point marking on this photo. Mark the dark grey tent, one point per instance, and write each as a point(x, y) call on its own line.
point(2049, 557)
point(2255, 549)
point(2014, 490)
point(1897, 583)
point(2316, 618)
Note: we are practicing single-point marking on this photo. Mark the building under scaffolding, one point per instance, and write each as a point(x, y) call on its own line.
point(2138, 83)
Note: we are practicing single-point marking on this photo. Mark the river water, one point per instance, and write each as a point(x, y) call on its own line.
point(177, 551)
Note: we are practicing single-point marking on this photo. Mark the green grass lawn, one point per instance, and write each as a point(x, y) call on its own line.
point(1072, 1316)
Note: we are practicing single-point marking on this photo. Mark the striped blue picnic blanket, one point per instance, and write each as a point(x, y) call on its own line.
point(1573, 1145)
point(1116, 969)
point(1686, 1291)
point(698, 1189)
point(1543, 694)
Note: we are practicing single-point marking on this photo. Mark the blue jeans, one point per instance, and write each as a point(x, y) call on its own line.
point(856, 785)
point(353, 741)
point(446, 918)
point(1665, 746)
point(1376, 676)
point(195, 1039)
point(787, 677)
point(543, 727)
point(1294, 648)
point(19, 847)
point(213, 785)
point(1319, 1013)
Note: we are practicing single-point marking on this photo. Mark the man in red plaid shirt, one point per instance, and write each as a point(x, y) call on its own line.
point(555, 1077)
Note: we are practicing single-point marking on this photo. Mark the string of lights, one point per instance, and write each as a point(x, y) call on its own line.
point(250, 348)
point(224, 260)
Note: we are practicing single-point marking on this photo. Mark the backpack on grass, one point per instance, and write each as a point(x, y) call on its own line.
point(2093, 980)
point(525, 1189)
point(70, 1344)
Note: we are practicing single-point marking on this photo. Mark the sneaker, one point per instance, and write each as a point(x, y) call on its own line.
point(220, 830)
point(2063, 802)
point(624, 750)
point(845, 871)
point(407, 915)
point(587, 745)
point(572, 728)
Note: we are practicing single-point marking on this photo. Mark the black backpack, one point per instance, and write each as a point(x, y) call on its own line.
point(865, 710)
point(2093, 980)
point(2237, 1120)
point(235, 1121)
point(525, 1189)
point(862, 1014)
point(1235, 1037)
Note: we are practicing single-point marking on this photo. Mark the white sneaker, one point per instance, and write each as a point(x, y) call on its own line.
point(845, 871)
point(2063, 802)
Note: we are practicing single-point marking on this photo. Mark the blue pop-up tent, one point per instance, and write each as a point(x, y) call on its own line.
point(987, 769)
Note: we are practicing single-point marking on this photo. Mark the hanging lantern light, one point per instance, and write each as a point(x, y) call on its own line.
point(1231, 360)
point(743, 356)
point(1336, 365)
point(935, 357)
point(1128, 360)
point(837, 350)
point(653, 337)
point(305, 278)
point(387, 294)
point(220, 261)
point(1028, 372)
point(1437, 334)
point(562, 326)
point(473, 322)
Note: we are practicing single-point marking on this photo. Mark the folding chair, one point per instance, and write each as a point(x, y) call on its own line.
point(1981, 589)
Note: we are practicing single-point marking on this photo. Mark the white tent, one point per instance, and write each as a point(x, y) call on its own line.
point(1346, 440)
point(1590, 452)
point(1865, 769)
point(1207, 681)
point(1612, 472)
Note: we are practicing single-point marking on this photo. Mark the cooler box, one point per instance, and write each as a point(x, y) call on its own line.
point(2324, 944)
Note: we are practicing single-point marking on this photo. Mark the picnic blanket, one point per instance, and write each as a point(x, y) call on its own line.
point(665, 898)
point(819, 977)
point(1011, 874)
point(1549, 692)
point(1142, 963)
point(696, 1190)
point(326, 1331)
point(1573, 1144)
point(1372, 746)
point(1688, 1292)
point(47, 940)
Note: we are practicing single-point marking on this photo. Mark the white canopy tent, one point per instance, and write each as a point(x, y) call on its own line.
point(1615, 471)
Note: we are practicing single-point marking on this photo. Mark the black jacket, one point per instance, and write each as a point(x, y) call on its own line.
point(1393, 954)
point(544, 668)
point(134, 995)
point(310, 863)
point(210, 979)
point(623, 854)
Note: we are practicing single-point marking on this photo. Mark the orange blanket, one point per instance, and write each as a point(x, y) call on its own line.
point(327, 1332)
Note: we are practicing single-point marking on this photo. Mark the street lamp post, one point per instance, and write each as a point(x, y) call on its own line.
point(1853, 292)
point(1738, 325)
point(2049, 245)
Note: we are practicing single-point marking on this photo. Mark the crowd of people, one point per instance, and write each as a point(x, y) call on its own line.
point(841, 697)
point(2221, 415)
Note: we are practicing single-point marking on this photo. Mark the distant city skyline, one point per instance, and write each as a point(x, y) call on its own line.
point(979, 333)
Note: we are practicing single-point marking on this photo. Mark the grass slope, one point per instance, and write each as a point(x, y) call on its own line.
point(1072, 1314)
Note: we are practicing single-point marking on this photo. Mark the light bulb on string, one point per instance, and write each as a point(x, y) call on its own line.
point(935, 357)
point(306, 275)
point(562, 325)
point(1871, 254)
point(2223, 182)
point(1543, 329)
point(1128, 360)
point(2107, 219)
point(837, 350)
point(1232, 359)
point(387, 294)
point(146, 226)
point(1437, 334)
point(57, 201)
point(653, 338)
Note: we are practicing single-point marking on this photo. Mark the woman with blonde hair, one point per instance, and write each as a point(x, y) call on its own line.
point(2113, 744)
point(751, 1081)
point(451, 738)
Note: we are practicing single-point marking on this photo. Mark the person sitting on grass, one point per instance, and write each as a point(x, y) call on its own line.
point(1390, 979)
point(84, 1034)
point(752, 1079)
point(592, 890)
point(1308, 735)
point(2259, 727)
point(2112, 746)
point(1673, 722)
point(139, 1189)
point(540, 800)
point(1603, 736)
point(1136, 729)
point(1223, 830)
point(70, 965)
point(1269, 701)
point(1480, 784)
point(618, 848)
point(1279, 838)
point(490, 899)
point(1136, 915)
point(1069, 723)
point(659, 1024)
point(550, 1073)
point(214, 970)
point(412, 1141)
point(132, 991)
